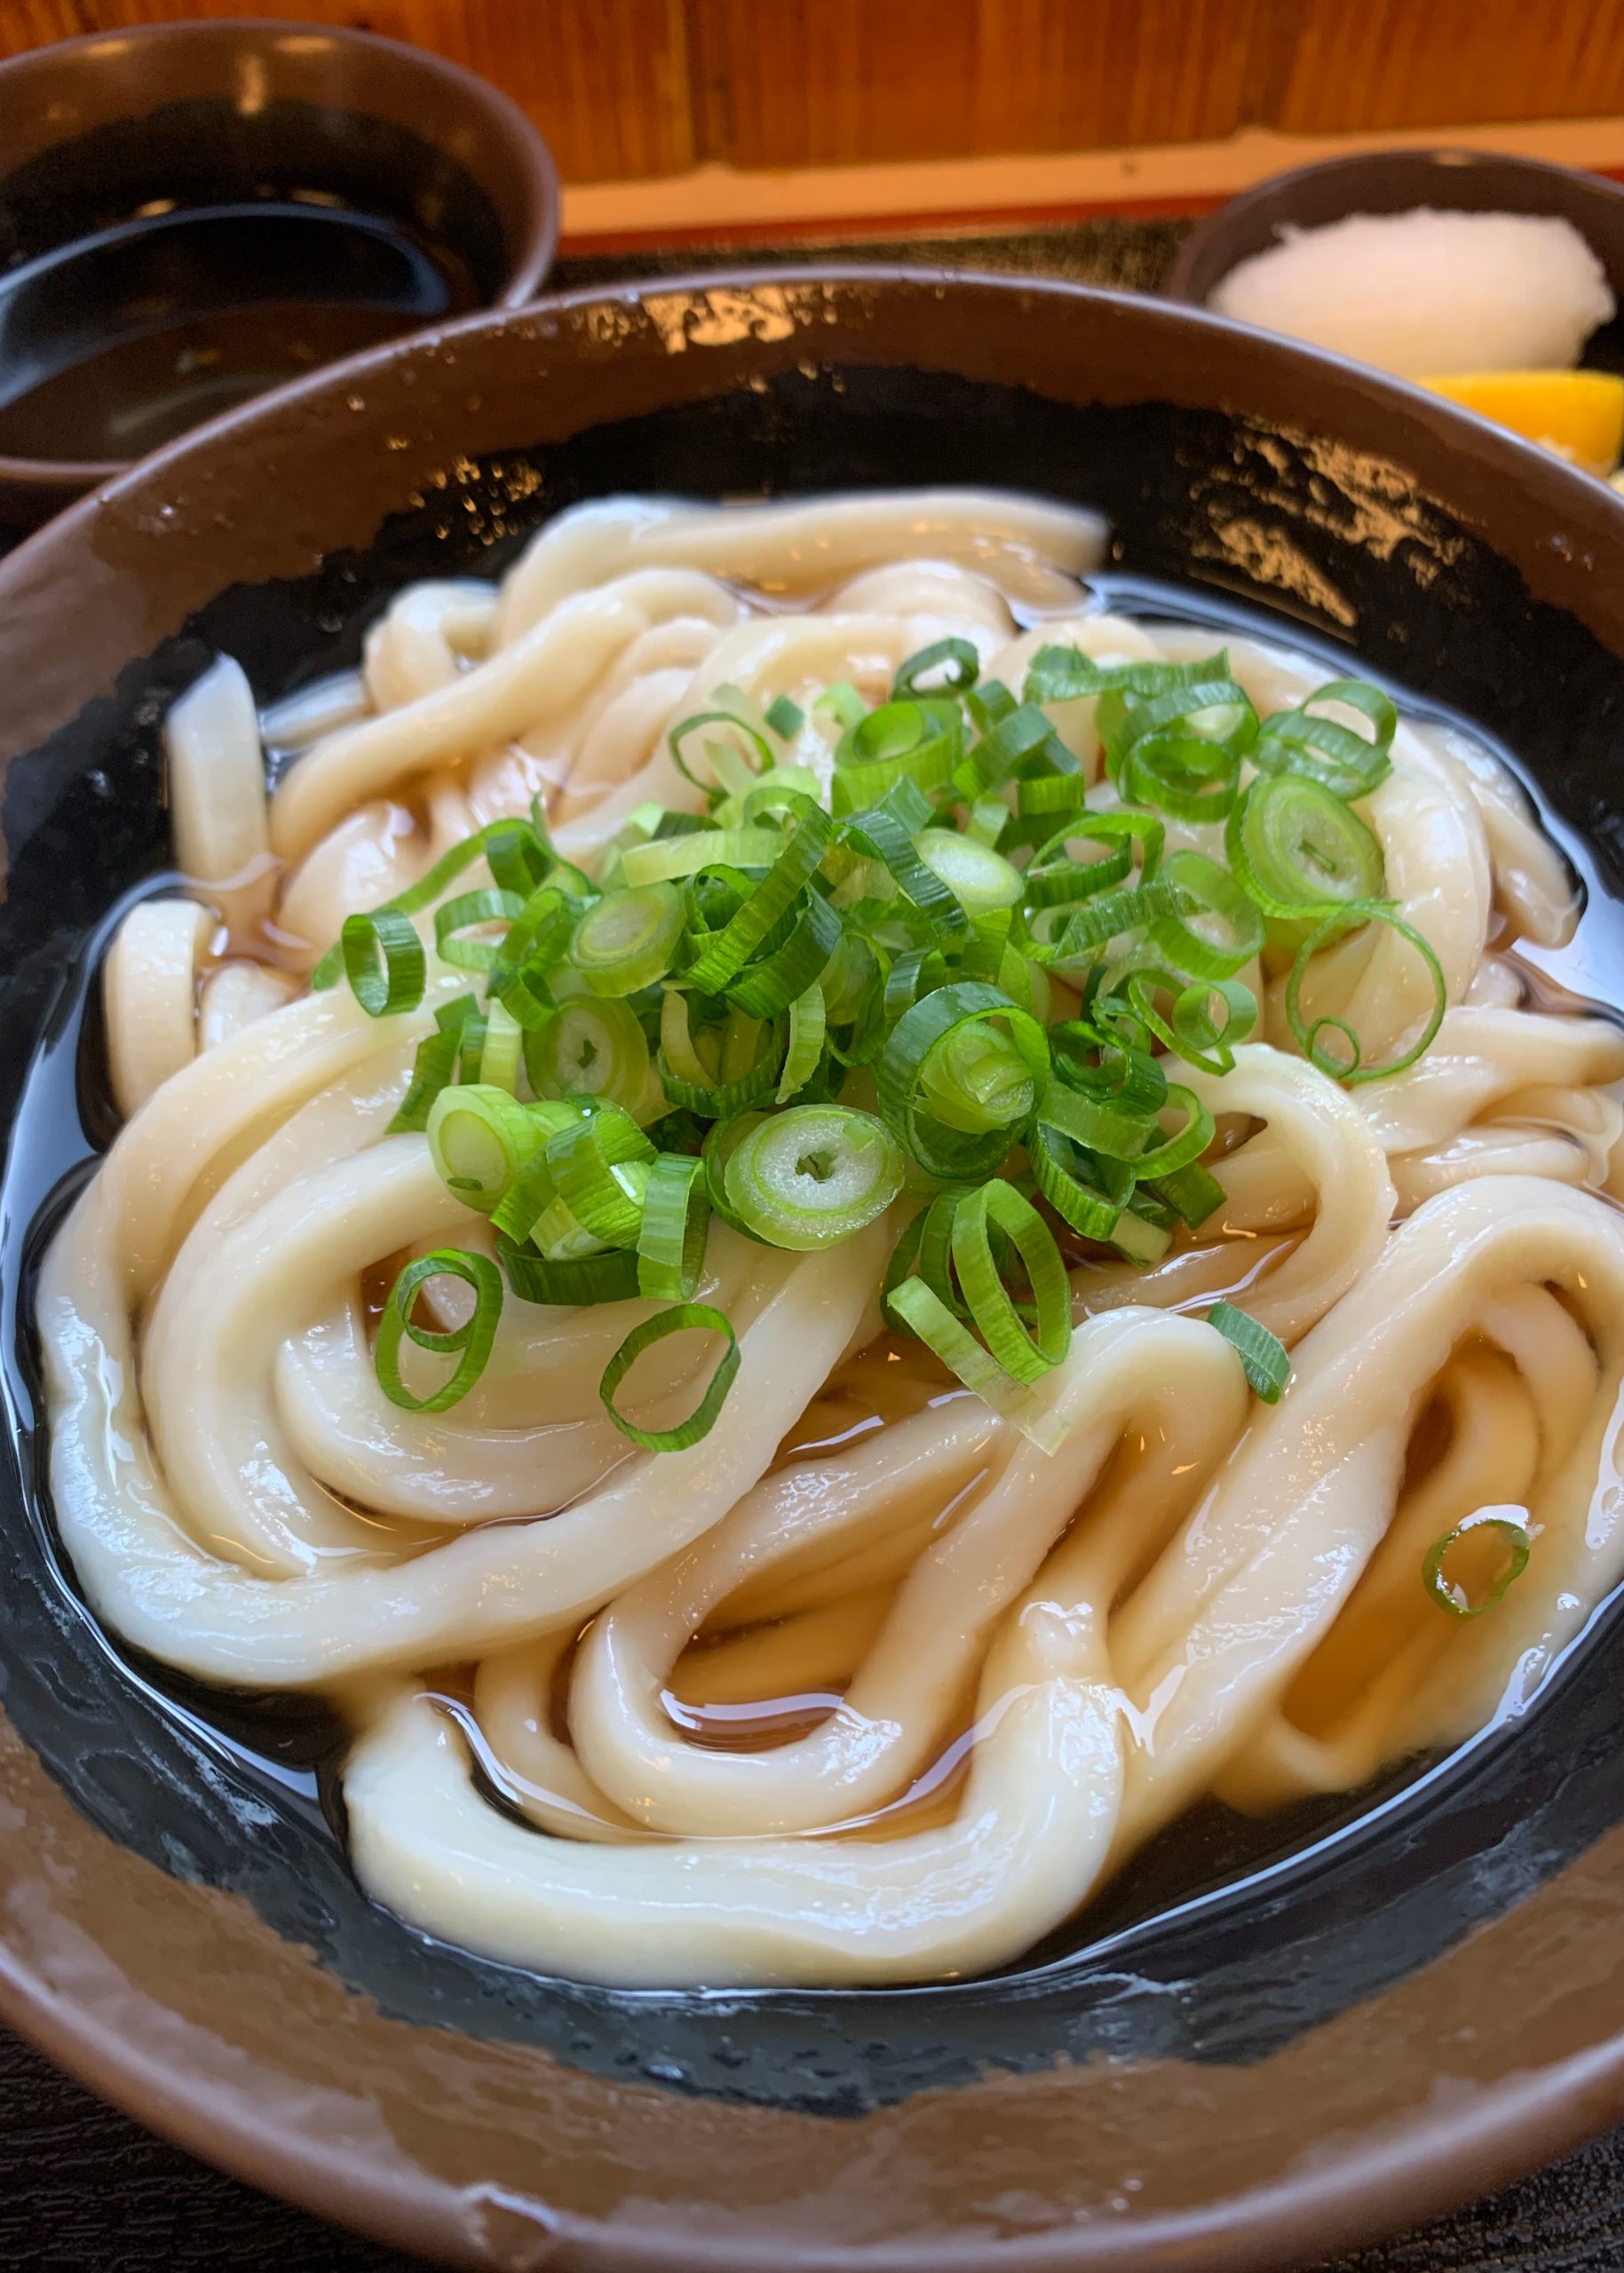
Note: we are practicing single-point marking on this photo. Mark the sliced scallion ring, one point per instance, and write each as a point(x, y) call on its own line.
point(726, 954)
point(1230, 926)
point(626, 941)
point(669, 857)
point(671, 1236)
point(1511, 1529)
point(686, 1318)
point(730, 742)
point(1351, 1068)
point(479, 1138)
point(919, 741)
point(458, 921)
point(383, 962)
point(922, 1312)
point(906, 1103)
point(1298, 852)
point(500, 1057)
point(808, 1177)
point(1086, 1190)
point(469, 1343)
point(430, 886)
point(435, 1064)
point(785, 718)
point(566, 1282)
point(598, 1167)
point(592, 1047)
point(1346, 762)
point(977, 877)
point(953, 661)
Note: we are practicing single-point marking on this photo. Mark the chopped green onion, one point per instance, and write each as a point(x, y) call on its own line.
point(469, 912)
point(1095, 922)
point(726, 954)
point(571, 1282)
point(808, 1026)
point(1181, 750)
point(805, 1178)
point(524, 962)
point(918, 742)
point(435, 1064)
point(1193, 1193)
point(880, 835)
point(772, 981)
point(1209, 896)
point(429, 886)
point(778, 952)
point(988, 704)
point(469, 1343)
point(1453, 1598)
point(977, 877)
point(1086, 1190)
point(990, 1088)
point(626, 941)
point(1055, 875)
point(921, 1310)
point(1299, 853)
point(671, 1235)
point(955, 659)
point(744, 1074)
point(479, 1138)
point(727, 758)
point(593, 1047)
point(386, 938)
point(686, 1318)
point(1351, 1069)
point(669, 857)
point(600, 1169)
point(786, 719)
point(1263, 1357)
point(500, 1052)
point(1343, 762)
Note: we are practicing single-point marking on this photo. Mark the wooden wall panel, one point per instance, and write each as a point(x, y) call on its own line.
point(827, 82)
point(630, 88)
point(1436, 62)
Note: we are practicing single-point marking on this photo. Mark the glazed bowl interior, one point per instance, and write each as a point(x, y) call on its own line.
point(1261, 2043)
point(153, 183)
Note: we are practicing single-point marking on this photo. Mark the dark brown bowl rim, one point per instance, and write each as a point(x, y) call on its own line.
point(1354, 164)
point(1346, 2198)
point(532, 259)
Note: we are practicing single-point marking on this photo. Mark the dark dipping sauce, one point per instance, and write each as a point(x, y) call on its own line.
point(111, 346)
point(1211, 1877)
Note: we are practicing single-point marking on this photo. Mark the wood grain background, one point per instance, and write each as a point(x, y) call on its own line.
point(624, 88)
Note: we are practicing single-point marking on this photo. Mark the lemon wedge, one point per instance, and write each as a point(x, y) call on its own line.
point(1578, 414)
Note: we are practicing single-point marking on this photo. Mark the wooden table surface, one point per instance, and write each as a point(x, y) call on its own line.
point(82, 2187)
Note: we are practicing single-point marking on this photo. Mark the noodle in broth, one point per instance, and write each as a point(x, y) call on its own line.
point(866, 1684)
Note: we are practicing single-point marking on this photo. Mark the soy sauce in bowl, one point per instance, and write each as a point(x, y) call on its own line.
point(191, 213)
point(114, 346)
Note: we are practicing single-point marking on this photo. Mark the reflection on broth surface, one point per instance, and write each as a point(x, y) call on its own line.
point(749, 957)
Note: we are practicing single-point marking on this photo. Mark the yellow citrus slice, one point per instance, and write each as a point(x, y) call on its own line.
point(1578, 414)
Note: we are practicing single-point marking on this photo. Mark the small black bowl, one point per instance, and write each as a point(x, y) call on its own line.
point(192, 213)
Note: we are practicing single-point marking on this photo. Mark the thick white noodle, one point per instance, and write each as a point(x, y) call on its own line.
point(964, 1678)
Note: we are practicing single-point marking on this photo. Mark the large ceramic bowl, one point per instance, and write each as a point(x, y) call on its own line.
point(1406, 2000)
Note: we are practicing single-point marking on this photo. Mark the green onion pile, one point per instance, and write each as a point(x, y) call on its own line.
point(789, 1013)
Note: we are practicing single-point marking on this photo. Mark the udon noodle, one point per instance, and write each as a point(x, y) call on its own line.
point(865, 1686)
